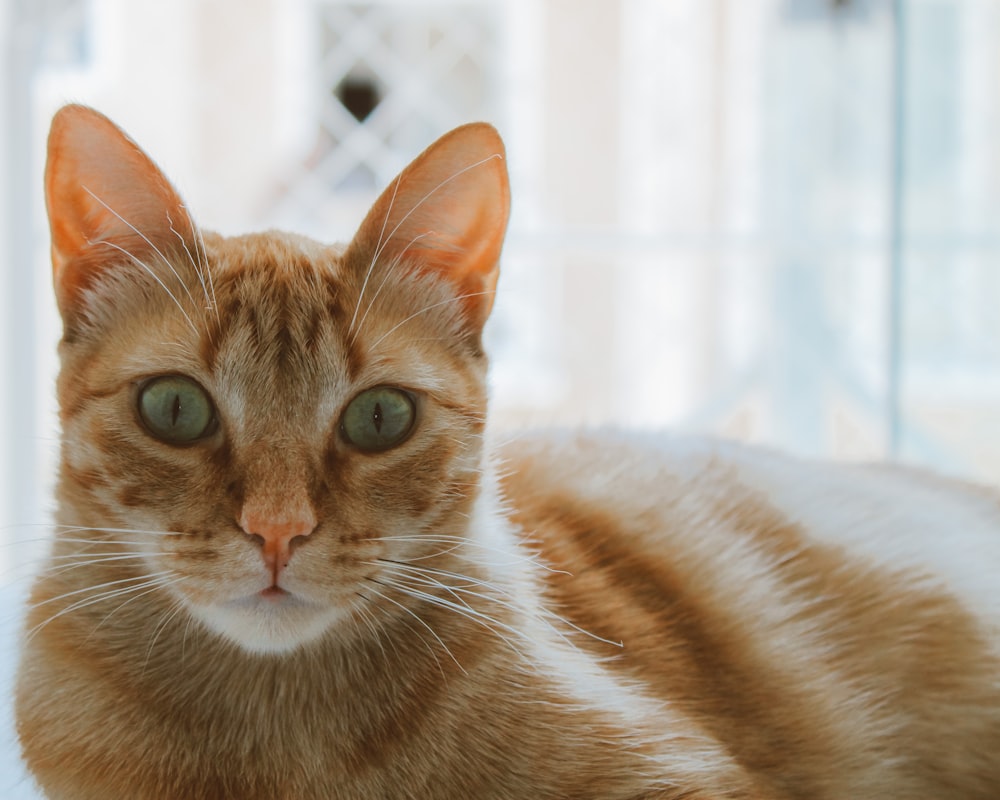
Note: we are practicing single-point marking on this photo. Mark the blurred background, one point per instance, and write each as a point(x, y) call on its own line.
point(777, 220)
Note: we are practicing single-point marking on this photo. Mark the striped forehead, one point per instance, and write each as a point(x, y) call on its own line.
point(278, 336)
point(279, 319)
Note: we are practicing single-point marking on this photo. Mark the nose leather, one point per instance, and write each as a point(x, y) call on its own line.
point(275, 534)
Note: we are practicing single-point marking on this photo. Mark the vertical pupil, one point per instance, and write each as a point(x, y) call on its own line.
point(377, 417)
point(175, 409)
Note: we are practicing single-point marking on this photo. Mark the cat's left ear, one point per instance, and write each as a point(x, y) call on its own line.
point(446, 213)
point(105, 198)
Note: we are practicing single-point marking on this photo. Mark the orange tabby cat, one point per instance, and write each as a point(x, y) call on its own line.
point(287, 565)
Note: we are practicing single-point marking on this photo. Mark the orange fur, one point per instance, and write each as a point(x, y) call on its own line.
point(271, 611)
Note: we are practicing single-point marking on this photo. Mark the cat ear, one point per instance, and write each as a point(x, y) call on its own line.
point(446, 213)
point(105, 198)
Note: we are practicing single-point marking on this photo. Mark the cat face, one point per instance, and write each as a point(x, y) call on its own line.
point(272, 421)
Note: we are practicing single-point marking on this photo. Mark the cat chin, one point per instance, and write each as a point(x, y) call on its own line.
point(264, 626)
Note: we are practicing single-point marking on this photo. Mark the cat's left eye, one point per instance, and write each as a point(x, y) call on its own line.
point(175, 409)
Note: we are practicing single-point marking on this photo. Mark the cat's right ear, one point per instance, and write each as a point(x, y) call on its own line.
point(106, 199)
point(445, 214)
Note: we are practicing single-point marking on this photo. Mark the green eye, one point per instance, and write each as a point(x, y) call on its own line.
point(175, 409)
point(378, 419)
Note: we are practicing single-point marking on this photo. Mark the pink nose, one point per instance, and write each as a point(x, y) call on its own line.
point(276, 536)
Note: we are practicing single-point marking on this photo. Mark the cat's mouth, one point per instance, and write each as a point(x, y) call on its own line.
point(273, 596)
point(270, 620)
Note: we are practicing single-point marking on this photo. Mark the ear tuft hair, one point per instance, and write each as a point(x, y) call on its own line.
point(446, 213)
point(104, 195)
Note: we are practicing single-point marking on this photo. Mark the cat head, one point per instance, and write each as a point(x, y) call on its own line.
point(271, 420)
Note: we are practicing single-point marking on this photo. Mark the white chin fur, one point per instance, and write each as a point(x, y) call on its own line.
point(261, 626)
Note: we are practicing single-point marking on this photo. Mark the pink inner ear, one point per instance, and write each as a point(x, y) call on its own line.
point(100, 187)
point(471, 247)
point(447, 213)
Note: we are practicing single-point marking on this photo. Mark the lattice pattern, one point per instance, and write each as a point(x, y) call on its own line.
point(393, 77)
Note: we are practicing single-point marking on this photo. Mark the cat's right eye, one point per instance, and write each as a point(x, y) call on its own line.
point(175, 409)
point(378, 419)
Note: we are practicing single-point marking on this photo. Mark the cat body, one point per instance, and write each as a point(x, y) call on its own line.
point(289, 562)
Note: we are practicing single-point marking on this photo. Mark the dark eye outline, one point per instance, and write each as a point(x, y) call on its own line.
point(410, 397)
point(210, 428)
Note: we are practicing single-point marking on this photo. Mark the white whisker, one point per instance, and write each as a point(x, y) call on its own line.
point(427, 197)
point(195, 264)
point(376, 254)
point(430, 571)
point(187, 628)
point(168, 616)
point(145, 238)
point(544, 616)
point(460, 608)
point(86, 560)
point(108, 542)
point(118, 582)
point(461, 542)
point(94, 557)
point(155, 277)
point(370, 621)
point(415, 616)
point(202, 252)
point(78, 528)
point(390, 268)
point(383, 240)
point(424, 310)
point(155, 580)
point(154, 587)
